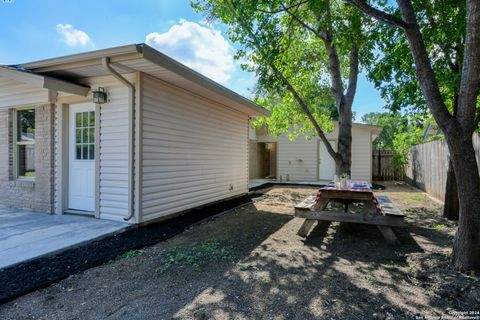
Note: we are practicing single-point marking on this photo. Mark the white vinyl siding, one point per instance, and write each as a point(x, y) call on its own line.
point(361, 154)
point(14, 93)
point(114, 138)
point(114, 134)
point(194, 150)
point(299, 158)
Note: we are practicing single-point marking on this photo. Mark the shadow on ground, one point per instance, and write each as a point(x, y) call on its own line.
point(250, 264)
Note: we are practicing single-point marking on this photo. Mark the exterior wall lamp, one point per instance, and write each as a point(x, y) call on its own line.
point(99, 96)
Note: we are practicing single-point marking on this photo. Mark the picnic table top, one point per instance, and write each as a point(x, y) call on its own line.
point(353, 186)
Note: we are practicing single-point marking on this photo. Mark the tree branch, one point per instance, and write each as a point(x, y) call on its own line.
point(334, 69)
point(288, 85)
point(423, 67)
point(353, 74)
point(455, 102)
point(470, 82)
point(425, 74)
point(354, 61)
point(333, 61)
point(378, 14)
point(319, 34)
point(305, 109)
point(284, 8)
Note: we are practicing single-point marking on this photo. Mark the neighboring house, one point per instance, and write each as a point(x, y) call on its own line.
point(432, 132)
point(166, 140)
point(305, 160)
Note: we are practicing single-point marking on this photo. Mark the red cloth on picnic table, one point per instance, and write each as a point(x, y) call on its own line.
point(331, 186)
point(352, 183)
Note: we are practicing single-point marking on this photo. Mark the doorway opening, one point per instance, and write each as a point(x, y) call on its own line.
point(263, 160)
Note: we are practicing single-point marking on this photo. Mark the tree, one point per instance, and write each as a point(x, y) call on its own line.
point(292, 46)
point(400, 133)
point(443, 29)
point(459, 124)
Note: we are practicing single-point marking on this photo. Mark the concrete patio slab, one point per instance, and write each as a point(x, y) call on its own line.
point(39, 249)
point(25, 235)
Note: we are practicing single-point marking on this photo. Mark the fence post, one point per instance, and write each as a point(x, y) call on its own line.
point(379, 164)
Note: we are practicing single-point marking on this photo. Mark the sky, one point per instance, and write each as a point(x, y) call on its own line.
point(32, 30)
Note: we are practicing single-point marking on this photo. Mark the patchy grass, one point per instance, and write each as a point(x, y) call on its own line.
point(132, 253)
point(195, 255)
point(415, 197)
point(439, 226)
point(250, 264)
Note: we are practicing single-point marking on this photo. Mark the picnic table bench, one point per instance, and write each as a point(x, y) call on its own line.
point(377, 210)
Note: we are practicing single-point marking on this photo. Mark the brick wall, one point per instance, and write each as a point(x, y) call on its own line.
point(37, 195)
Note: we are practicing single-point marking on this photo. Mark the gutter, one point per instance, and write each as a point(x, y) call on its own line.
point(142, 51)
point(131, 138)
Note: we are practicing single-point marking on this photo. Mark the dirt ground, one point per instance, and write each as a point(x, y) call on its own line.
point(249, 264)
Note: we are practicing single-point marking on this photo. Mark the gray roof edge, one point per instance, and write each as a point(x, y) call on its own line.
point(173, 65)
point(42, 81)
point(153, 56)
point(364, 125)
point(97, 54)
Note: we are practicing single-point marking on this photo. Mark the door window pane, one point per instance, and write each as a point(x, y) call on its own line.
point(85, 135)
point(78, 151)
point(78, 135)
point(91, 119)
point(91, 135)
point(84, 119)
point(91, 151)
point(78, 119)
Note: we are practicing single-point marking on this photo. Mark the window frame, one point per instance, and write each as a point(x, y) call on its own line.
point(85, 128)
point(17, 143)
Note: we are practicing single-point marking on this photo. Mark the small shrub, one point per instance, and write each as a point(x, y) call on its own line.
point(439, 226)
point(195, 255)
point(132, 253)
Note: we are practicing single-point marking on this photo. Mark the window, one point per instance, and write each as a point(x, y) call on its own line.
point(24, 139)
point(85, 135)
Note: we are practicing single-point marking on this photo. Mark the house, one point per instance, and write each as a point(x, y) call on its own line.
point(432, 132)
point(160, 138)
point(304, 160)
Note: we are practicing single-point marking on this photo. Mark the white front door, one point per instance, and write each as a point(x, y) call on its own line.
point(326, 164)
point(81, 164)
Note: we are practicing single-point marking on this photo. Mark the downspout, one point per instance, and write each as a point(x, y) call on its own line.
point(131, 122)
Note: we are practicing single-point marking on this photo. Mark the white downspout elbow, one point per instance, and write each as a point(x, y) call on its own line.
point(131, 138)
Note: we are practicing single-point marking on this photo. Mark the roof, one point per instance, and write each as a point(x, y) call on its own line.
point(40, 81)
point(143, 58)
point(372, 127)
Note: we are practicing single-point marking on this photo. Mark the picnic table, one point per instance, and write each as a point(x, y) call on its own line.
point(377, 210)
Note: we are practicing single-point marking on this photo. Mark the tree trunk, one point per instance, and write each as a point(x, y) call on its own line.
point(466, 247)
point(451, 204)
point(458, 130)
point(344, 164)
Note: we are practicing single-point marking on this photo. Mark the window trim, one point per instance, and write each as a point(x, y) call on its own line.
point(17, 143)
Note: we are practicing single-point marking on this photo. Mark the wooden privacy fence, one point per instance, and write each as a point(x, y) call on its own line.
point(382, 167)
point(428, 165)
